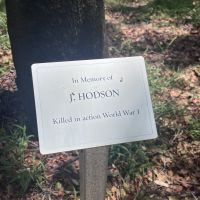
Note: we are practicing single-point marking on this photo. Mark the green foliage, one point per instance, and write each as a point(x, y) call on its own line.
point(158, 80)
point(194, 128)
point(195, 13)
point(183, 10)
point(133, 158)
point(127, 48)
point(13, 168)
point(174, 6)
point(2, 5)
point(188, 10)
point(130, 159)
point(4, 39)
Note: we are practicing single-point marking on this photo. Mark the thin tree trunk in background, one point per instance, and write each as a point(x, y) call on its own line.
point(49, 31)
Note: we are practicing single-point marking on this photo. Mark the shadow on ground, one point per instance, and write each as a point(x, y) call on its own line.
point(184, 52)
point(139, 12)
point(158, 45)
point(67, 173)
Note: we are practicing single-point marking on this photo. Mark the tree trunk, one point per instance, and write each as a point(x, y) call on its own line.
point(59, 30)
point(49, 31)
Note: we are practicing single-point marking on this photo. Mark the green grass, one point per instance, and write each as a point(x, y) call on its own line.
point(174, 7)
point(4, 39)
point(2, 5)
point(129, 158)
point(13, 168)
point(194, 128)
point(182, 10)
point(4, 44)
point(132, 159)
point(159, 80)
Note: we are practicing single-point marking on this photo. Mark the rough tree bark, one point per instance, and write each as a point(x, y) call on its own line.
point(52, 30)
point(58, 30)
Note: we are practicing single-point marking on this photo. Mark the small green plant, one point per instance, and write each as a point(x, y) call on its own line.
point(165, 108)
point(129, 158)
point(13, 167)
point(157, 80)
point(127, 48)
point(194, 128)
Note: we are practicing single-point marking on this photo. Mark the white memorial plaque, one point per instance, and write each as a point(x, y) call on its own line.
point(84, 104)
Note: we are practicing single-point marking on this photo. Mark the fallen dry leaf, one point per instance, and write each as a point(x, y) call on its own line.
point(175, 92)
point(161, 183)
point(174, 188)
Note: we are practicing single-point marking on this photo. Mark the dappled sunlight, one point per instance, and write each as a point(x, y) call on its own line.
point(162, 40)
point(170, 47)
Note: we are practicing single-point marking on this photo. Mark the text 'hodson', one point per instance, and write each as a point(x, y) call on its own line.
point(83, 96)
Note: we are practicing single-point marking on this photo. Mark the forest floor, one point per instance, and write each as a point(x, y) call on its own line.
point(170, 47)
point(167, 168)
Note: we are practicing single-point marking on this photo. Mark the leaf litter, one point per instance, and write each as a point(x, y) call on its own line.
point(168, 45)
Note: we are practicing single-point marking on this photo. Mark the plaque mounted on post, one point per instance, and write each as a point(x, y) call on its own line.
point(91, 103)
